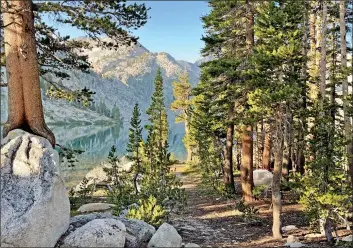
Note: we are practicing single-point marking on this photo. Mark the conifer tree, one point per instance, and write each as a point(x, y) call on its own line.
point(159, 181)
point(134, 145)
point(157, 143)
point(229, 39)
point(158, 126)
point(278, 66)
point(182, 105)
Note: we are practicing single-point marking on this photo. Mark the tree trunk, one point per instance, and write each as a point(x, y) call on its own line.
point(228, 177)
point(137, 171)
point(247, 182)
point(333, 77)
point(323, 53)
point(286, 161)
point(266, 159)
point(276, 181)
point(326, 228)
point(287, 155)
point(301, 162)
point(347, 122)
point(188, 148)
point(313, 54)
point(25, 103)
point(300, 158)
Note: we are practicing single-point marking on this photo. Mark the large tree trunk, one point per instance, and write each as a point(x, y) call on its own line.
point(276, 181)
point(300, 157)
point(323, 53)
point(247, 182)
point(266, 158)
point(313, 54)
point(347, 122)
point(25, 103)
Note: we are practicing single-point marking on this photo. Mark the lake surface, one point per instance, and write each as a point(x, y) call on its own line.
point(96, 142)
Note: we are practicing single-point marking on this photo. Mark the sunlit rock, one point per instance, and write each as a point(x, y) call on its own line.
point(35, 208)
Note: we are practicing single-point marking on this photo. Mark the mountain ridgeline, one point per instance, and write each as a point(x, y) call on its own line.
point(120, 78)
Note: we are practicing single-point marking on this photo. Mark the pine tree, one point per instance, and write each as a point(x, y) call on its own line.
point(182, 105)
point(223, 78)
point(158, 127)
point(278, 68)
point(134, 145)
point(159, 181)
point(347, 123)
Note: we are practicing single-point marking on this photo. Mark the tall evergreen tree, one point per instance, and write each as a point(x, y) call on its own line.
point(158, 127)
point(157, 113)
point(134, 145)
point(345, 94)
point(227, 78)
point(182, 105)
point(278, 69)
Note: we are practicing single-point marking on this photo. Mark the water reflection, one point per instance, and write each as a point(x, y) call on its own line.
point(94, 140)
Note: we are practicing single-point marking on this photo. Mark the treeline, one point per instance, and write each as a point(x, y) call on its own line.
point(275, 96)
point(101, 108)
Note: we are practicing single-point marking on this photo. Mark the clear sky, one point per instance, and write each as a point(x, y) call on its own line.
point(174, 27)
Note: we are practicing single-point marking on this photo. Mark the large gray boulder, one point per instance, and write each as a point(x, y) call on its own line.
point(138, 232)
point(166, 236)
point(262, 177)
point(97, 233)
point(35, 208)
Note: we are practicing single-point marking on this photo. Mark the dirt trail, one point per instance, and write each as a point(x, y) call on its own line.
point(212, 221)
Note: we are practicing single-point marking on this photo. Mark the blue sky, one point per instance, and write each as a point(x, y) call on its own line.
point(174, 27)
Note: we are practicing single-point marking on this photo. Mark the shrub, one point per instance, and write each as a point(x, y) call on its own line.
point(148, 211)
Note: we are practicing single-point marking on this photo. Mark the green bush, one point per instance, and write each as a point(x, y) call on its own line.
point(258, 190)
point(249, 212)
point(148, 211)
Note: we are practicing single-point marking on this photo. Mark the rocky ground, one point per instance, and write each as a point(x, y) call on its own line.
point(212, 221)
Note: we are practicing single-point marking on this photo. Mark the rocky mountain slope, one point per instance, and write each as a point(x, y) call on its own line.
point(120, 78)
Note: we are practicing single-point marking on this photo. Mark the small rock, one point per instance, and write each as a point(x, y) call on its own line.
point(289, 228)
point(186, 228)
point(191, 245)
point(294, 244)
point(292, 239)
point(98, 233)
point(95, 207)
point(348, 238)
point(166, 236)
